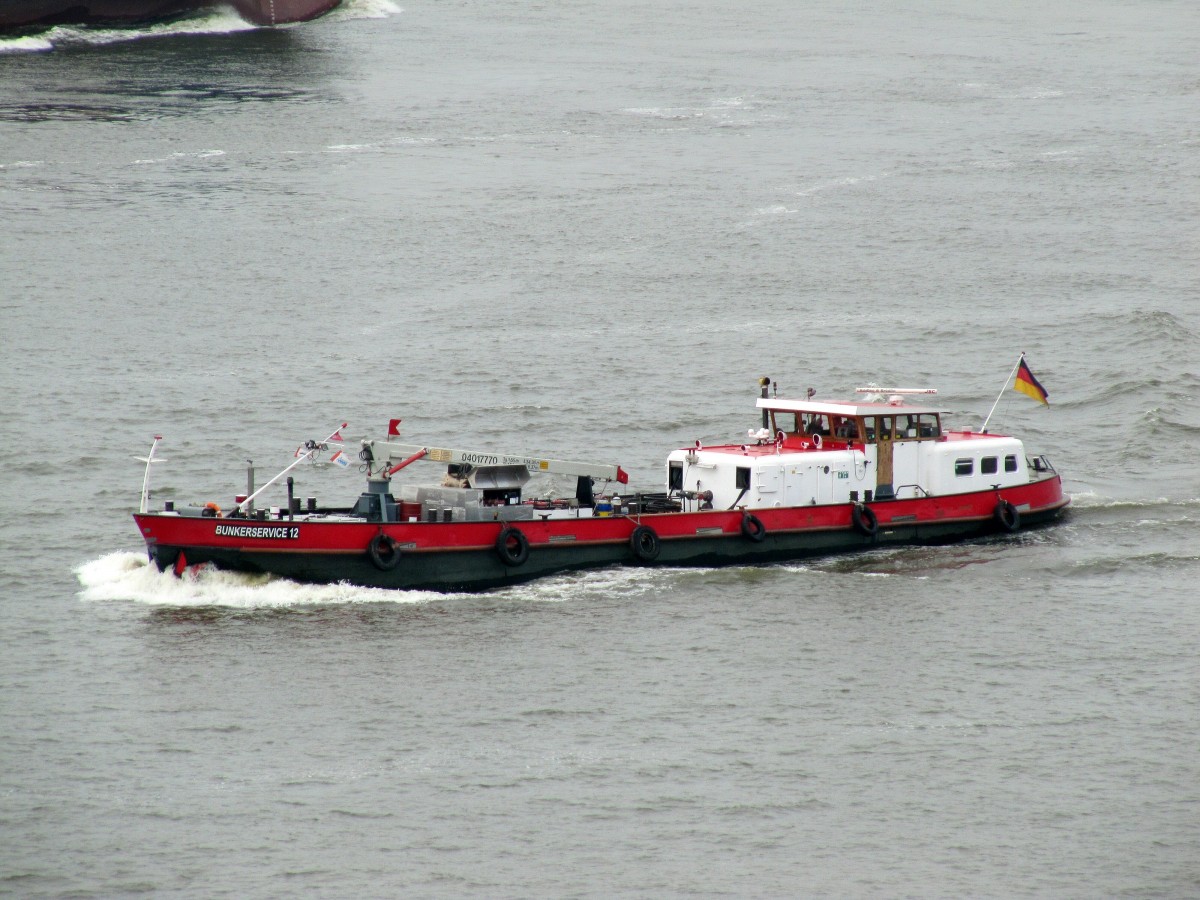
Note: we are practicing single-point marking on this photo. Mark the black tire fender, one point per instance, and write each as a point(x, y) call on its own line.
point(865, 521)
point(1007, 516)
point(753, 528)
point(384, 552)
point(645, 544)
point(512, 546)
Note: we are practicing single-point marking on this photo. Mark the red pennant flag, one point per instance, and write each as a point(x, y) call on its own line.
point(394, 428)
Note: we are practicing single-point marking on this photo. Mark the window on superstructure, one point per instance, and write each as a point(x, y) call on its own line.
point(845, 428)
point(742, 479)
point(788, 422)
point(964, 467)
point(1010, 464)
point(675, 477)
point(989, 465)
point(815, 423)
point(917, 426)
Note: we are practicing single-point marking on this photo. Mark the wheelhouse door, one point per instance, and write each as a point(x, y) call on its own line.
point(883, 448)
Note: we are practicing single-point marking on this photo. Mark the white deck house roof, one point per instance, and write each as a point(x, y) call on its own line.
point(842, 409)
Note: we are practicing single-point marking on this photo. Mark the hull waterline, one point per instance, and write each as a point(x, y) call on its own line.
point(464, 557)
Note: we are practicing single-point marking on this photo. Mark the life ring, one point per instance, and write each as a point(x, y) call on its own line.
point(512, 546)
point(645, 543)
point(384, 552)
point(864, 520)
point(211, 510)
point(1008, 516)
point(816, 440)
point(753, 528)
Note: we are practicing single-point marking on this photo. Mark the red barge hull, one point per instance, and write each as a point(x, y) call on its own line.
point(473, 556)
point(32, 13)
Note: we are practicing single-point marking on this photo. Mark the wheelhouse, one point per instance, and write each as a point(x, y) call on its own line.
point(865, 423)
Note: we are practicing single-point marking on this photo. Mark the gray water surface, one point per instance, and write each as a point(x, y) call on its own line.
point(585, 231)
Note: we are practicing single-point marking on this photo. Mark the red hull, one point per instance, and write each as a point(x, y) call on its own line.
point(464, 556)
point(24, 13)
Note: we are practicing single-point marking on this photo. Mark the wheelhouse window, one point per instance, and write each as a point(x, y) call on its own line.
point(879, 428)
point(845, 428)
point(787, 422)
point(989, 465)
point(1010, 464)
point(815, 423)
point(915, 427)
point(963, 467)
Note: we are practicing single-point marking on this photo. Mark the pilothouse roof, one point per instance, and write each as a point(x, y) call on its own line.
point(835, 408)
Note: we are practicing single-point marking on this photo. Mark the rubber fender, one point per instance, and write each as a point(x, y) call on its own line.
point(512, 546)
point(753, 528)
point(1007, 516)
point(384, 552)
point(645, 543)
point(865, 521)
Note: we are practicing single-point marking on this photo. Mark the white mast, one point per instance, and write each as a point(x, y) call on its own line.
point(149, 460)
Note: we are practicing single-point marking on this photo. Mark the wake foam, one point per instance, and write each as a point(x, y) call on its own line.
point(364, 9)
point(126, 576)
point(1090, 499)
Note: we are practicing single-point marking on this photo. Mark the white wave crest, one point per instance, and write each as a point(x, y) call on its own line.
point(365, 9)
point(126, 576)
point(37, 43)
point(617, 581)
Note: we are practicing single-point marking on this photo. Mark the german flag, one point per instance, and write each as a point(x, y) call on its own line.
point(1028, 385)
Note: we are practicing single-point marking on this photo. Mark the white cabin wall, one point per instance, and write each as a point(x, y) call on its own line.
point(785, 479)
point(941, 457)
point(808, 478)
point(801, 478)
point(906, 468)
point(800, 485)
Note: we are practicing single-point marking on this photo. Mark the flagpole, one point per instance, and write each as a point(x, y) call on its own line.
point(309, 453)
point(983, 430)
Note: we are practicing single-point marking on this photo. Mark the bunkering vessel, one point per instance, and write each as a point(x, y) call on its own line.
point(817, 477)
point(21, 14)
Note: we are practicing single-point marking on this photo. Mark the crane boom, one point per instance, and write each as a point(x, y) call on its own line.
point(386, 451)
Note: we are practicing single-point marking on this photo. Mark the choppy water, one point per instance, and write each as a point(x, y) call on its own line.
point(586, 230)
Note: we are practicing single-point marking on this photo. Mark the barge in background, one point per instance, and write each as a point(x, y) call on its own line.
point(25, 14)
point(817, 477)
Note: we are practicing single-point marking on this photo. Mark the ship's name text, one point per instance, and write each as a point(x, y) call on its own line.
point(276, 532)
